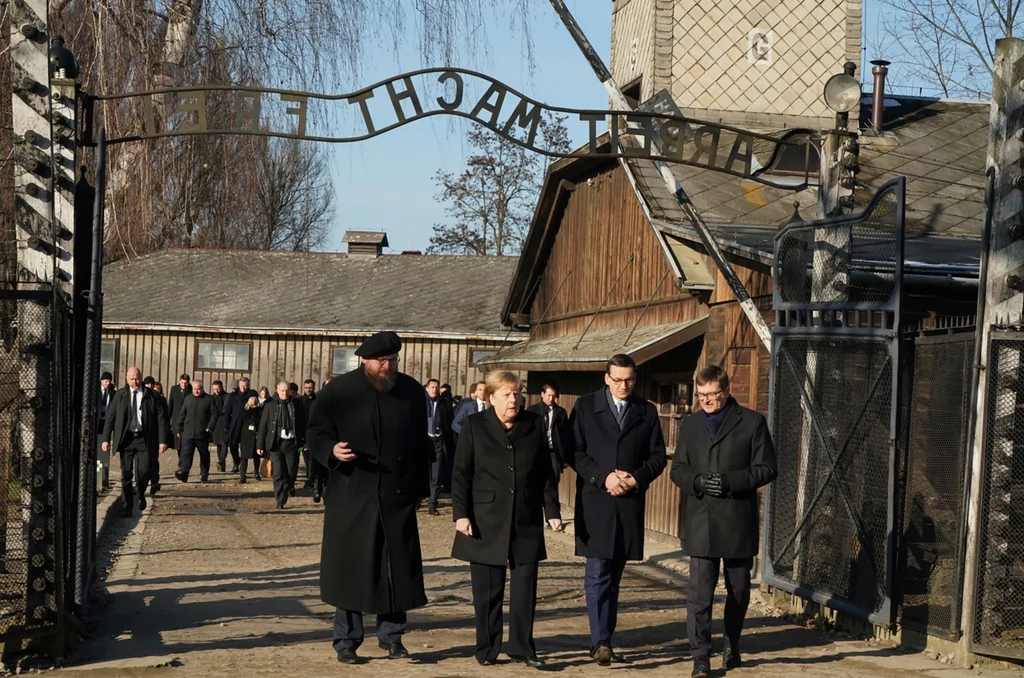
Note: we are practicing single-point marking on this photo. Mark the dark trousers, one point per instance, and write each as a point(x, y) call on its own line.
point(189, 446)
point(224, 450)
point(243, 467)
point(286, 469)
point(601, 581)
point(307, 460)
point(700, 595)
point(488, 593)
point(436, 471)
point(134, 466)
point(348, 628)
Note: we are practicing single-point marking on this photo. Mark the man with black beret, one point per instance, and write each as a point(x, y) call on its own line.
point(369, 429)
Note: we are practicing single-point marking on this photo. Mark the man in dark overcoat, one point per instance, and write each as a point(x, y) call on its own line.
point(196, 423)
point(233, 415)
point(136, 429)
point(369, 428)
point(619, 451)
point(724, 454)
point(175, 399)
point(280, 436)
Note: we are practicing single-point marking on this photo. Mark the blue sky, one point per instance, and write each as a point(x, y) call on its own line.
point(385, 183)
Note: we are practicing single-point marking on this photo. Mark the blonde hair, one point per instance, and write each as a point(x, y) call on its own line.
point(252, 403)
point(500, 379)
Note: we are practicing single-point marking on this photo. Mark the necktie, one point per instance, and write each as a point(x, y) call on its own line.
point(288, 417)
point(551, 416)
point(619, 405)
point(135, 410)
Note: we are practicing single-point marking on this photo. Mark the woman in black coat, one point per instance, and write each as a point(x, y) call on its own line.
point(250, 425)
point(502, 484)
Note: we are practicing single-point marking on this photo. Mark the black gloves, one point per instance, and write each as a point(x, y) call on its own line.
point(713, 484)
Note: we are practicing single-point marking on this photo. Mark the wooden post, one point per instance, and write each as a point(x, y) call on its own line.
point(1003, 308)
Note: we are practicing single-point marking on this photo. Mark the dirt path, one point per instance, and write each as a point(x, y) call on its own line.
point(212, 581)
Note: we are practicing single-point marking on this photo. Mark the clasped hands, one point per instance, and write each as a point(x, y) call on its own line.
point(619, 483)
point(712, 484)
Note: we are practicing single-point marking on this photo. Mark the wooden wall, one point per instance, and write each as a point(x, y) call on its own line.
point(165, 355)
point(602, 226)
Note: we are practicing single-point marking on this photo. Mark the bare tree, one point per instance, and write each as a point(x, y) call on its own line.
point(188, 191)
point(946, 45)
point(491, 201)
point(294, 198)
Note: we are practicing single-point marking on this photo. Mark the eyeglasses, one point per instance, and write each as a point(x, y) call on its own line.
point(710, 396)
point(629, 381)
point(383, 360)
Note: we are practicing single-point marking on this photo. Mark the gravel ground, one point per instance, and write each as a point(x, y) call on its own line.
point(213, 581)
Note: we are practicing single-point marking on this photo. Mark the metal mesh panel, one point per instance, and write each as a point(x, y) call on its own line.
point(846, 262)
point(828, 519)
point(28, 542)
point(1000, 600)
point(937, 415)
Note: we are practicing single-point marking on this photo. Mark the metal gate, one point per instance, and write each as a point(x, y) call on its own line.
point(999, 600)
point(937, 402)
point(834, 411)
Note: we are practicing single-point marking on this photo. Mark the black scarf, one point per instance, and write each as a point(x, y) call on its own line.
point(714, 421)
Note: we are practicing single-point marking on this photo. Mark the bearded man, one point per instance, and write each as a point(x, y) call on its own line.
point(369, 429)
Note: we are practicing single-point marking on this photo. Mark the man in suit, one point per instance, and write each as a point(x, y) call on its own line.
point(196, 424)
point(107, 392)
point(306, 401)
point(282, 432)
point(469, 406)
point(724, 454)
point(220, 440)
point(136, 429)
point(617, 443)
point(232, 416)
point(154, 462)
point(439, 430)
point(175, 399)
point(555, 421)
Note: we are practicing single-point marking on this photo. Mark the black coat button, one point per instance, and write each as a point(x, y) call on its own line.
point(511, 469)
point(511, 491)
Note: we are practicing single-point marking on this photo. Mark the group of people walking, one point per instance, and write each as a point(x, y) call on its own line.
point(386, 453)
point(139, 423)
point(377, 443)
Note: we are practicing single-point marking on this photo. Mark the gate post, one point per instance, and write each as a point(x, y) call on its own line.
point(1002, 309)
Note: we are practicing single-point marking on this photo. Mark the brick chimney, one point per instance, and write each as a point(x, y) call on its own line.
point(366, 243)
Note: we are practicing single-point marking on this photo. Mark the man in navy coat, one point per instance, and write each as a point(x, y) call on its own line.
point(723, 456)
point(615, 437)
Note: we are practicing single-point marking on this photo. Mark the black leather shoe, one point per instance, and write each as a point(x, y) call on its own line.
point(221, 467)
point(280, 505)
point(204, 479)
point(486, 662)
point(142, 503)
point(701, 668)
point(180, 476)
point(258, 477)
point(308, 484)
point(395, 650)
point(731, 658)
point(153, 490)
point(603, 654)
point(234, 469)
point(242, 480)
point(348, 656)
point(432, 511)
point(532, 662)
point(316, 496)
point(291, 492)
